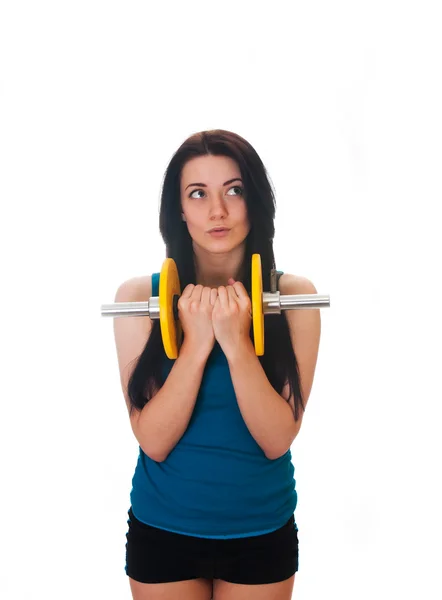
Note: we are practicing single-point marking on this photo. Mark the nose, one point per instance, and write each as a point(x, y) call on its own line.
point(218, 207)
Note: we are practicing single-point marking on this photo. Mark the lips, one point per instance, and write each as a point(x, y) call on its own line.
point(219, 229)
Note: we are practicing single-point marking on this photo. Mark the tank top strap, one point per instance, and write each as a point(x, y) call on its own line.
point(278, 275)
point(155, 284)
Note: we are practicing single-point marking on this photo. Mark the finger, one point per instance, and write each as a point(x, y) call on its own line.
point(240, 289)
point(205, 295)
point(223, 297)
point(242, 296)
point(197, 291)
point(213, 296)
point(232, 295)
point(187, 292)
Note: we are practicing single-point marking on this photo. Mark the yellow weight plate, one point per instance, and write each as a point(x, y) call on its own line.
point(170, 328)
point(257, 308)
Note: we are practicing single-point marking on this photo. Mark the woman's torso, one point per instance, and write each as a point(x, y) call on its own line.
point(216, 482)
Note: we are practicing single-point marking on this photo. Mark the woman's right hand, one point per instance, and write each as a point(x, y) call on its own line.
point(195, 307)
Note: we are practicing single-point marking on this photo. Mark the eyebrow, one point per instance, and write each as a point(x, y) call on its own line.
point(225, 183)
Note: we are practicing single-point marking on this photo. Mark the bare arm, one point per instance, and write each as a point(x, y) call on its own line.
point(270, 420)
point(164, 419)
point(266, 414)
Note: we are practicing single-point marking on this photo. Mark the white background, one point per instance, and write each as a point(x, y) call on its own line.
point(342, 100)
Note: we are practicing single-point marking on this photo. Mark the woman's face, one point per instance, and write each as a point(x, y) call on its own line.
point(212, 195)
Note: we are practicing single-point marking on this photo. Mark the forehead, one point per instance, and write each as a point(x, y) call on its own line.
point(209, 169)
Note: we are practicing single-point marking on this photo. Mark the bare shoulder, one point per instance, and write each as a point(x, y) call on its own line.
point(295, 284)
point(305, 333)
point(136, 289)
point(131, 333)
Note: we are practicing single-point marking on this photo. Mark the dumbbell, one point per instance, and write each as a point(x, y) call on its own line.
point(165, 306)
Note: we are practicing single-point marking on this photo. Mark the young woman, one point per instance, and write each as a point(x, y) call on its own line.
point(213, 493)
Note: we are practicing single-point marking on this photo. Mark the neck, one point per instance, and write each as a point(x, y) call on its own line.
point(214, 270)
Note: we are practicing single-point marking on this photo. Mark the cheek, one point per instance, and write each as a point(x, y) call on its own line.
point(244, 210)
point(195, 223)
point(245, 218)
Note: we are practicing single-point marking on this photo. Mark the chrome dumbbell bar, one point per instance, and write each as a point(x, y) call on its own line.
point(273, 303)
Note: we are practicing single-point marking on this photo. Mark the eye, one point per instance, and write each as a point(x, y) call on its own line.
point(237, 187)
point(194, 192)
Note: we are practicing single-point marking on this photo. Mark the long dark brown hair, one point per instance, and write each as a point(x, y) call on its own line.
point(279, 359)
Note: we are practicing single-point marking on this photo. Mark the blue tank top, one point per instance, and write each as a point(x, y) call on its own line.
point(216, 482)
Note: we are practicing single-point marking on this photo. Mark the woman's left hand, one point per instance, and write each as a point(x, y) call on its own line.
point(231, 316)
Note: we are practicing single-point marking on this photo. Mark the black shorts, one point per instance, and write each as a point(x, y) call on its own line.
point(157, 556)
